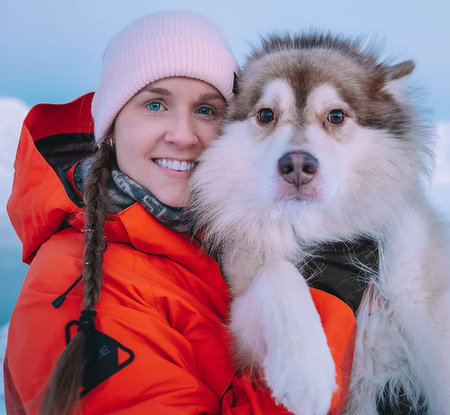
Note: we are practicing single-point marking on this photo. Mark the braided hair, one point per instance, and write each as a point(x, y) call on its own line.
point(63, 391)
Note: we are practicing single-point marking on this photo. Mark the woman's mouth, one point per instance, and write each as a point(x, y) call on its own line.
point(176, 165)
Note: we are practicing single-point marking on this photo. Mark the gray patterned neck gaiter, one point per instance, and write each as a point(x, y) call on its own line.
point(124, 191)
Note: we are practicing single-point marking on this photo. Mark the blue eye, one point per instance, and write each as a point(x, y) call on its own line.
point(205, 111)
point(154, 106)
point(265, 115)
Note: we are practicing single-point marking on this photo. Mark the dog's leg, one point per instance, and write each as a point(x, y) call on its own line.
point(403, 338)
point(276, 317)
point(418, 287)
point(382, 359)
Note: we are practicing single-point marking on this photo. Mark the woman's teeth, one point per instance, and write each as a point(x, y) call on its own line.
point(175, 164)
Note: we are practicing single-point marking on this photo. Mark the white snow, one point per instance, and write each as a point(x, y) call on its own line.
point(13, 111)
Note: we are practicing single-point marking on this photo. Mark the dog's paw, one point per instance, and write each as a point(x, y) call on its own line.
point(303, 381)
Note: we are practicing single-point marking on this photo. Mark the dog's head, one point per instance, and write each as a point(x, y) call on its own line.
point(320, 136)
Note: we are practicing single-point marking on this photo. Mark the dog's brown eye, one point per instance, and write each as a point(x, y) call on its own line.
point(335, 117)
point(265, 115)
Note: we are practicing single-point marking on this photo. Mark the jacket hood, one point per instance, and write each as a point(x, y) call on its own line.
point(53, 138)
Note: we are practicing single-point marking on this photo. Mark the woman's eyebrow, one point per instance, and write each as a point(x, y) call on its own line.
point(206, 96)
point(156, 90)
point(210, 95)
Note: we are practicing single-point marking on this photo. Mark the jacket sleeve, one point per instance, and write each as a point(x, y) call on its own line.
point(13, 403)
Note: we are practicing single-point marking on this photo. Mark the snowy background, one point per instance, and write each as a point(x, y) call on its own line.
point(50, 51)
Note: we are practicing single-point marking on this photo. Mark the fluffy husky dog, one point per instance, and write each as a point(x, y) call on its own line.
point(322, 143)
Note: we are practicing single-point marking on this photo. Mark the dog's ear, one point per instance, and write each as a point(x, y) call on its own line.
point(394, 72)
point(395, 82)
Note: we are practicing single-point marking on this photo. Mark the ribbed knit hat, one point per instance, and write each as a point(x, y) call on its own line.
point(161, 45)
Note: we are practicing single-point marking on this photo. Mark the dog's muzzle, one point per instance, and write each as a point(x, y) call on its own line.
point(298, 167)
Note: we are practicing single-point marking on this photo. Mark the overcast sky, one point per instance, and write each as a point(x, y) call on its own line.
point(50, 50)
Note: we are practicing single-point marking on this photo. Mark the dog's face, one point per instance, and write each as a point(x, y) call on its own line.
point(312, 155)
point(318, 137)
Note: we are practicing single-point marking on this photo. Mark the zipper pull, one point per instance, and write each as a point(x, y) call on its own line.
point(57, 302)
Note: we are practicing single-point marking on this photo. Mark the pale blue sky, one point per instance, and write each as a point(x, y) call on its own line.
point(50, 50)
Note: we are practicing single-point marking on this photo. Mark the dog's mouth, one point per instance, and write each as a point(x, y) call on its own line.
point(303, 194)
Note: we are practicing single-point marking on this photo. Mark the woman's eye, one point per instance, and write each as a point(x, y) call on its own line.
point(154, 106)
point(205, 111)
point(335, 117)
point(265, 115)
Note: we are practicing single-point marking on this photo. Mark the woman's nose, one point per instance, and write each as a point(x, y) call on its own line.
point(182, 131)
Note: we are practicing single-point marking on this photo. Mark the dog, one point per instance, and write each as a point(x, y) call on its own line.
point(324, 142)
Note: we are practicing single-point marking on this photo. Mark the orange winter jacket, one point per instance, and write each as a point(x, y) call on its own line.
point(162, 298)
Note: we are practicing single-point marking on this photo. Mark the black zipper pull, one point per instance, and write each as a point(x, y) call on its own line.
point(60, 299)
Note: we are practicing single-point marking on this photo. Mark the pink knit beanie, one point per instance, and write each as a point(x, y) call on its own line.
point(171, 43)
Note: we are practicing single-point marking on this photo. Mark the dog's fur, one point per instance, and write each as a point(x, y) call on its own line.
point(371, 173)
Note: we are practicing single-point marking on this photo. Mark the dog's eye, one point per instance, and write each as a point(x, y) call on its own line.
point(265, 115)
point(335, 117)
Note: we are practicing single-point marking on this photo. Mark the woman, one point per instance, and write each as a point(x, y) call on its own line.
point(150, 338)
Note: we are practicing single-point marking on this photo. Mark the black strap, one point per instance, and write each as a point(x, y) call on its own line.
point(342, 269)
point(85, 323)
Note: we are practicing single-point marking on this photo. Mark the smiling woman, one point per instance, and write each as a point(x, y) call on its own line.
point(162, 130)
point(152, 305)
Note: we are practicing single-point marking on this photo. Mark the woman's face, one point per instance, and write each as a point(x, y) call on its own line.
point(161, 132)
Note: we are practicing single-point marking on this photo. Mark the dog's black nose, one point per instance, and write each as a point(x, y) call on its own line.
point(298, 167)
